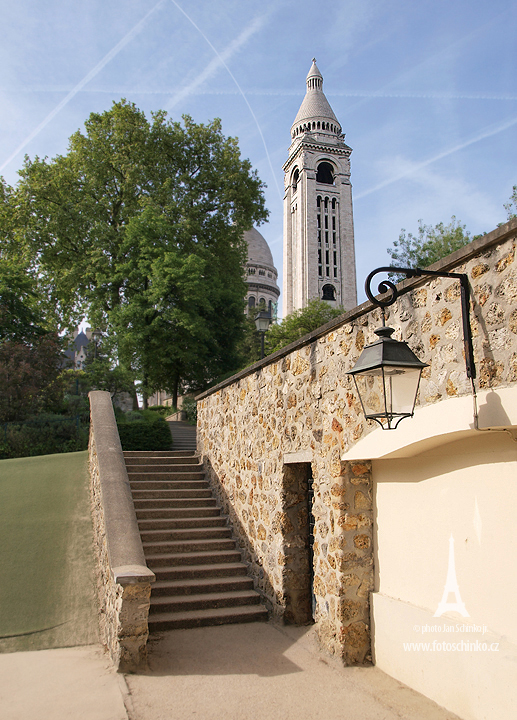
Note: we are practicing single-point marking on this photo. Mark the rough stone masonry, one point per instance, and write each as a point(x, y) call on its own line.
point(260, 431)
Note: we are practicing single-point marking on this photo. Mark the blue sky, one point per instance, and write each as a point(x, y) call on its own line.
point(426, 92)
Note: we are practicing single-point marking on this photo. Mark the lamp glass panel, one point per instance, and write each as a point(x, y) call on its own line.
point(262, 324)
point(371, 391)
point(401, 389)
point(388, 390)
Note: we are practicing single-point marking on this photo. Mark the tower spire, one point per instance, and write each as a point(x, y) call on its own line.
point(315, 112)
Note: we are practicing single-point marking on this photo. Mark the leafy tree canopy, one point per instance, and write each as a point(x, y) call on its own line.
point(511, 205)
point(21, 316)
point(140, 227)
point(299, 323)
point(430, 245)
point(30, 377)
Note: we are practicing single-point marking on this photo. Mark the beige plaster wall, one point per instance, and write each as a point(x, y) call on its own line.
point(464, 489)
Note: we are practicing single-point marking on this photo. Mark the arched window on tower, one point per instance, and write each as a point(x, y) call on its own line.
point(329, 293)
point(296, 178)
point(251, 301)
point(325, 173)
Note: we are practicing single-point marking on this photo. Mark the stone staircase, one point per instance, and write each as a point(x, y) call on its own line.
point(183, 436)
point(200, 576)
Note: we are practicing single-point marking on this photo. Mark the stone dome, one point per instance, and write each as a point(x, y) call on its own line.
point(258, 249)
point(261, 274)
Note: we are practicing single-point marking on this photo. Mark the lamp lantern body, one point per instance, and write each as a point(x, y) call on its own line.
point(262, 321)
point(387, 377)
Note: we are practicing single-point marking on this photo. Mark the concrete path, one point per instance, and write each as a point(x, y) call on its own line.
point(233, 672)
point(263, 672)
point(63, 684)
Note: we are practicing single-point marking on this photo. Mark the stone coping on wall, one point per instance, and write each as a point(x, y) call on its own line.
point(448, 263)
point(125, 552)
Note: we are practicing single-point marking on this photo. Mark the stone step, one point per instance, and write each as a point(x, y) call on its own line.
point(200, 618)
point(184, 493)
point(164, 468)
point(179, 534)
point(178, 513)
point(188, 546)
point(158, 453)
point(169, 484)
point(182, 523)
point(199, 571)
point(149, 476)
point(197, 586)
point(184, 603)
point(174, 503)
point(158, 461)
point(192, 558)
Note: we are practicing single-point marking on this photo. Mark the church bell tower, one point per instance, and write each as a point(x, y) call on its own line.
point(319, 255)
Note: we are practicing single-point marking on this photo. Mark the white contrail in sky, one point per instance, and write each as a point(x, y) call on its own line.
point(222, 61)
point(105, 60)
point(215, 63)
point(489, 132)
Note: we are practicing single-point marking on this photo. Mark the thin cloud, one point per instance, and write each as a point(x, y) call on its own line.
point(223, 62)
point(489, 132)
point(105, 60)
point(192, 90)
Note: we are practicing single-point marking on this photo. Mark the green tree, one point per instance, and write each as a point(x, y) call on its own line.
point(299, 323)
point(430, 245)
point(20, 317)
point(30, 377)
point(101, 370)
point(249, 346)
point(140, 227)
point(511, 205)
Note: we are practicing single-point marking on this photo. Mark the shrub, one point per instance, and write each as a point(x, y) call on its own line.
point(44, 435)
point(161, 410)
point(138, 432)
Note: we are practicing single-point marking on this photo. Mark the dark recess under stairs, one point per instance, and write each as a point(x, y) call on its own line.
point(188, 544)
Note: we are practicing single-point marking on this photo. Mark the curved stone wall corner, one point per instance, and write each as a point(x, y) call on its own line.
point(123, 578)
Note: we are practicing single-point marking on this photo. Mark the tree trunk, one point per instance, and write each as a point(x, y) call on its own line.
point(175, 389)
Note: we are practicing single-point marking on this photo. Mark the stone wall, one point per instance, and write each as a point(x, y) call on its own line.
point(123, 579)
point(261, 430)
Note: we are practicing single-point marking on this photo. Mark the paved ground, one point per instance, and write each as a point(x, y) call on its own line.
point(62, 684)
point(233, 672)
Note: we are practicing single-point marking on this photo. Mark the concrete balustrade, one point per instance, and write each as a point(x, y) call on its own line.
point(124, 580)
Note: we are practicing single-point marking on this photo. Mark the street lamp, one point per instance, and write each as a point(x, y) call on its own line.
point(262, 321)
point(387, 374)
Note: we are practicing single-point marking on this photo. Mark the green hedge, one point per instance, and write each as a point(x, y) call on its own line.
point(141, 434)
point(44, 435)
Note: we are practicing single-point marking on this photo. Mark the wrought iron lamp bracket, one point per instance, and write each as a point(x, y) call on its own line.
point(388, 286)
